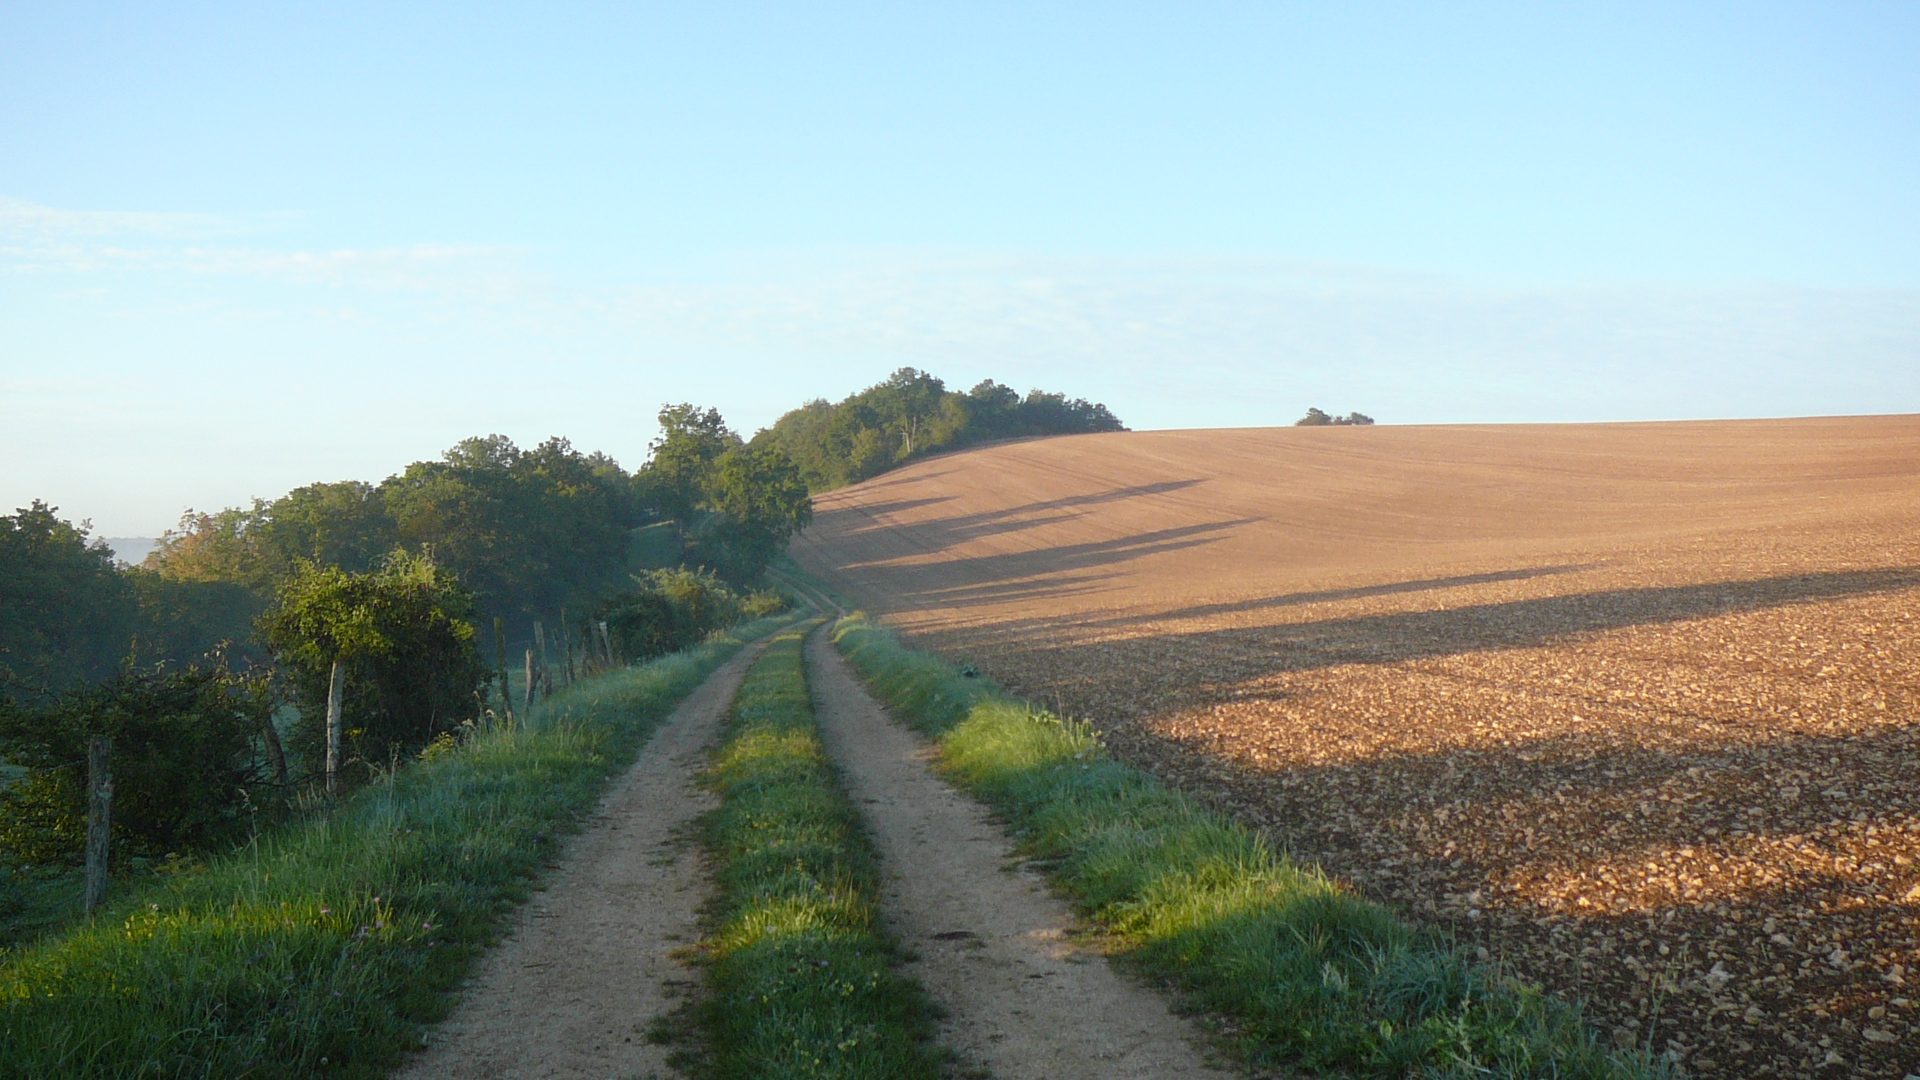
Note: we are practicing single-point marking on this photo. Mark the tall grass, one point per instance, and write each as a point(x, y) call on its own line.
point(322, 949)
point(800, 973)
point(1309, 974)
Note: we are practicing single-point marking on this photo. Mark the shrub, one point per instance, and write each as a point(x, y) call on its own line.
point(188, 772)
point(673, 609)
point(405, 633)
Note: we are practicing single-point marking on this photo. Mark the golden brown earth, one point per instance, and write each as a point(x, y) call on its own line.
point(1635, 708)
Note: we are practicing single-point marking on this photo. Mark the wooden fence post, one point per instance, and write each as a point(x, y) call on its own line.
point(606, 643)
point(540, 643)
point(500, 654)
point(530, 678)
point(336, 689)
point(99, 819)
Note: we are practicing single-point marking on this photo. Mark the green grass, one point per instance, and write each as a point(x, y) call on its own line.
point(323, 948)
point(800, 973)
point(1305, 972)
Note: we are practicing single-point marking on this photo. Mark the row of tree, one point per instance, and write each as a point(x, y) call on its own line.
point(366, 602)
point(372, 602)
point(912, 414)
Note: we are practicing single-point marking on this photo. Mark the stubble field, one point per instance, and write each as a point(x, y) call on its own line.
point(1635, 708)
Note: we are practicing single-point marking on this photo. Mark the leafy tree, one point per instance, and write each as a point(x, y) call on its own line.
point(912, 414)
point(188, 767)
point(405, 633)
point(1318, 418)
point(223, 546)
point(344, 524)
point(675, 479)
point(66, 614)
point(759, 501)
point(529, 531)
point(181, 621)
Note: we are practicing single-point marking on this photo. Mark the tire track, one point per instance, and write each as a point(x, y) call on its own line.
point(586, 968)
point(995, 947)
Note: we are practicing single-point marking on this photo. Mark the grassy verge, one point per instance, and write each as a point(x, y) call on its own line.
point(801, 976)
point(1302, 971)
point(321, 949)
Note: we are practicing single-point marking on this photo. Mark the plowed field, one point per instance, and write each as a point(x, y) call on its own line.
point(1635, 708)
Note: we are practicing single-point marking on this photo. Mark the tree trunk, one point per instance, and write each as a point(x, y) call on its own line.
point(276, 754)
point(336, 689)
point(99, 819)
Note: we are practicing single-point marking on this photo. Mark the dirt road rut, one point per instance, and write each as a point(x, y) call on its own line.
point(994, 946)
point(586, 968)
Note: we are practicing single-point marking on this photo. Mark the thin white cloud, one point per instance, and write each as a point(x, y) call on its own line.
point(19, 217)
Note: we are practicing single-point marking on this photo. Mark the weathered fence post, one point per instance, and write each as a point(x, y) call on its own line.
point(540, 643)
point(500, 653)
point(336, 689)
point(530, 679)
point(606, 643)
point(99, 819)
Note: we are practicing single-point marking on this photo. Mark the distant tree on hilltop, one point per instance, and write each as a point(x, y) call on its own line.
point(912, 414)
point(1317, 418)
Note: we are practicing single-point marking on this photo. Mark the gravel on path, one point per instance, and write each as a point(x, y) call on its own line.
point(994, 947)
point(587, 966)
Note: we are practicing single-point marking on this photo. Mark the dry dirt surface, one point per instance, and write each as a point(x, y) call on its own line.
point(588, 966)
point(1023, 997)
point(1635, 708)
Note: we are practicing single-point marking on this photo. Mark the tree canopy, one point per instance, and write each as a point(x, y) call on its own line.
point(1319, 418)
point(912, 414)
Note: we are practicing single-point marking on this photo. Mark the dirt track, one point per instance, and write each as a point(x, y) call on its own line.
point(1633, 706)
point(587, 967)
point(995, 948)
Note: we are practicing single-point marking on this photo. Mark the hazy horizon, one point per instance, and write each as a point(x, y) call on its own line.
point(242, 251)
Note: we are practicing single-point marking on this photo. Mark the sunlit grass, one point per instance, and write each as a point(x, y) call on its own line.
point(1309, 974)
point(801, 976)
point(321, 949)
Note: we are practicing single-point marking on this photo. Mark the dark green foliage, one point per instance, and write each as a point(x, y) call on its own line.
point(678, 476)
point(758, 501)
point(913, 414)
point(1310, 975)
point(1317, 418)
point(674, 609)
point(321, 951)
point(802, 984)
point(529, 531)
point(180, 619)
point(66, 615)
point(188, 772)
point(406, 633)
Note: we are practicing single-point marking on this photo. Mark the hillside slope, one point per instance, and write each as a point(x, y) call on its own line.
point(1634, 706)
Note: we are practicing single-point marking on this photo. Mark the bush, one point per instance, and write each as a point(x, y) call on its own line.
point(673, 609)
point(188, 773)
point(405, 633)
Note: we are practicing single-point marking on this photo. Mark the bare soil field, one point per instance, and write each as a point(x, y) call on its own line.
point(1633, 707)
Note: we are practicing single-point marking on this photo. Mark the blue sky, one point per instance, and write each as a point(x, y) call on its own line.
point(248, 247)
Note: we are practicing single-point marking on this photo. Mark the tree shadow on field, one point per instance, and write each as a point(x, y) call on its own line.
point(1665, 885)
point(1325, 596)
point(1056, 571)
point(1244, 653)
point(941, 534)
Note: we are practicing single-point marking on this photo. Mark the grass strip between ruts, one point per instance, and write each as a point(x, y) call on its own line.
point(321, 949)
point(1304, 972)
point(800, 974)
